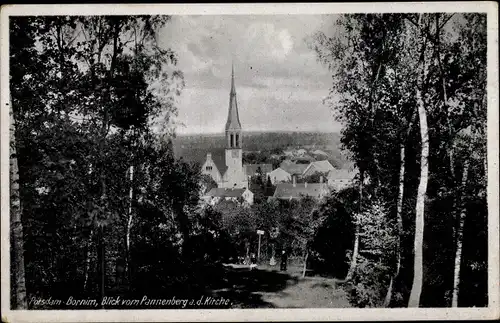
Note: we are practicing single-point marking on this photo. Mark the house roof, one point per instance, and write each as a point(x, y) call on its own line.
point(287, 190)
point(302, 160)
point(292, 168)
point(342, 174)
point(319, 152)
point(278, 170)
point(251, 169)
point(322, 166)
point(226, 192)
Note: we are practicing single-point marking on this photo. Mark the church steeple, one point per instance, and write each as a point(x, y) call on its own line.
point(233, 125)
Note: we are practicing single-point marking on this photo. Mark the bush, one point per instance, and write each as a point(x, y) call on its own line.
point(373, 271)
point(369, 283)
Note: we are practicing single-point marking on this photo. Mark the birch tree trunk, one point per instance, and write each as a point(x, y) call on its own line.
point(416, 289)
point(460, 233)
point(130, 215)
point(355, 249)
point(354, 257)
point(305, 264)
point(16, 223)
point(399, 209)
point(130, 218)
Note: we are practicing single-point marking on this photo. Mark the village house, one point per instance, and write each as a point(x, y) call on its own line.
point(339, 179)
point(293, 168)
point(289, 191)
point(323, 166)
point(279, 176)
point(302, 159)
point(215, 195)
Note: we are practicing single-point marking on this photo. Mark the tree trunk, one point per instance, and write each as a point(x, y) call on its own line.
point(399, 209)
point(460, 232)
point(101, 259)
point(130, 218)
point(354, 257)
point(16, 224)
point(355, 249)
point(87, 260)
point(416, 289)
point(305, 264)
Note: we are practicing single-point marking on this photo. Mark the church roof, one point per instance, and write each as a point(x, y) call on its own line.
point(199, 156)
point(233, 118)
point(288, 190)
point(219, 158)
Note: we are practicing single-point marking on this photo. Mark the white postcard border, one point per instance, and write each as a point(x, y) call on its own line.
point(491, 312)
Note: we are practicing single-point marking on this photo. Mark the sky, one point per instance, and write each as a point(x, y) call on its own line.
point(279, 83)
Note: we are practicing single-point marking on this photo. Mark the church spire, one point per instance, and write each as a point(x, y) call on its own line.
point(233, 90)
point(233, 118)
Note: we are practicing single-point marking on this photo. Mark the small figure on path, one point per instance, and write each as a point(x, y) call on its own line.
point(284, 259)
point(253, 261)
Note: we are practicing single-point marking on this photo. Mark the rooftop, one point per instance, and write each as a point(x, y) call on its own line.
point(292, 168)
point(226, 192)
point(323, 166)
point(342, 174)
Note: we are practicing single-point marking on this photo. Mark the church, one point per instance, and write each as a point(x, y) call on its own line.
point(227, 169)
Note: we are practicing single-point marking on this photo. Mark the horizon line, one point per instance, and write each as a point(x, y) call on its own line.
point(254, 131)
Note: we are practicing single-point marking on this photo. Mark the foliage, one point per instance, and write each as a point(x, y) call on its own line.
point(334, 236)
point(86, 94)
point(377, 246)
point(374, 64)
point(207, 183)
point(313, 178)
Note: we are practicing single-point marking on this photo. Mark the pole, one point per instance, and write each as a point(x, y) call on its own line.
point(258, 250)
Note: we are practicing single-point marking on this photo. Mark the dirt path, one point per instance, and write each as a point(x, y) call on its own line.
point(268, 288)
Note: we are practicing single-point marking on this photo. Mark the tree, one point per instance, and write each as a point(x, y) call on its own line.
point(363, 79)
point(86, 92)
point(335, 236)
point(17, 240)
point(469, 144)
point(207, 183)
point(422, 69)
point(313, 178)
point(378, 241)
point(397, 68)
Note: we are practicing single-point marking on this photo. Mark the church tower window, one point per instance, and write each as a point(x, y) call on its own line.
point(232, 141)
point(237, 141)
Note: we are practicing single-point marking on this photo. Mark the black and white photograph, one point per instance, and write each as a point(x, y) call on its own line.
point(268, 164)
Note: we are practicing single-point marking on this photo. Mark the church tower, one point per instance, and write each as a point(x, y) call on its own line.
point(234, 176)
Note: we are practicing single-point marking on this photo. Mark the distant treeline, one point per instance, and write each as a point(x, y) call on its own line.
point(254, 141)
point(194, 147)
